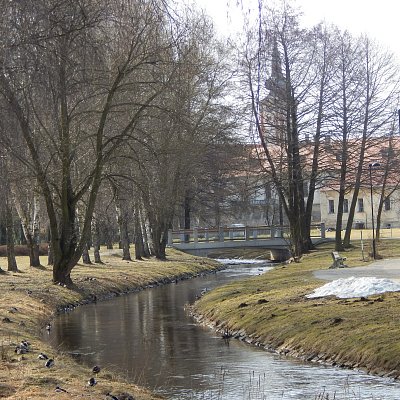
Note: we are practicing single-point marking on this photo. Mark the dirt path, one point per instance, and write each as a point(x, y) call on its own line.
point(389, 268)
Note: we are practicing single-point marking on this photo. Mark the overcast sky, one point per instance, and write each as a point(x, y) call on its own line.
point(379, 19)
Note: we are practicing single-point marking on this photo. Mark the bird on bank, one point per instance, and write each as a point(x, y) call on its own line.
point(96, 369)
point(92, 382)
point(49, 363)
point(21, 350)
point(24, 343)
point(23, 347)
point(59, 389)
point(42, 356)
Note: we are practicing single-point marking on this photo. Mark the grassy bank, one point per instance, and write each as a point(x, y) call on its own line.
point(271, 311)
point(28, 301)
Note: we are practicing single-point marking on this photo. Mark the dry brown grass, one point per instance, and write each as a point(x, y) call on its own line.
point(29, 300)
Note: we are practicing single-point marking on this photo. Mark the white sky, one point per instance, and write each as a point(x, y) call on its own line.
point(379, 19)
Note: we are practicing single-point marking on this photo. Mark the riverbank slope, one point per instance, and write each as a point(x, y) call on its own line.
point(29, 300)
point(272, 311)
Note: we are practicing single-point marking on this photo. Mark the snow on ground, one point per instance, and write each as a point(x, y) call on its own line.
point(233, 261)
point(355, 287)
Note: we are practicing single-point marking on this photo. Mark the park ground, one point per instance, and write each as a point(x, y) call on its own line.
point(269, 310)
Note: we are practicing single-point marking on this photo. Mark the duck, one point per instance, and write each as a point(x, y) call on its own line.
point(23, 347)
point(49, 363)
point(92, 382)
point(226, 334)
point(96, 369)
point(21, 350)
point(24, 343)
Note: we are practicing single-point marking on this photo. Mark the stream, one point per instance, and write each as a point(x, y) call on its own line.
point(149, 338)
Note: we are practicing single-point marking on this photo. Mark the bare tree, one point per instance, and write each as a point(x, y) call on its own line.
point(378, 99)
point(187, 119)
point(289, 109)
point(69, 72)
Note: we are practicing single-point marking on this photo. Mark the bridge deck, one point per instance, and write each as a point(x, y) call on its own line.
point(269, 237)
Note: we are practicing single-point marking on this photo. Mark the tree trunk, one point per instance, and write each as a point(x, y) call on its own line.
point(62, 273)
point(50, 255)
point(85, 251)
point(147, 245)
point(35, 260)
point(187, 210)
point(64, 242)
point(95, 240)
point(11, 261)
point(139, 246)
point(338, 232)
point(122, 220)
point(159, 243)
point(34, 254)
point(85, 255)
point(29, 216)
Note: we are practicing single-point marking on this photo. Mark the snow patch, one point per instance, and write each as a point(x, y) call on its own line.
point(233, 261)
point(355, 287)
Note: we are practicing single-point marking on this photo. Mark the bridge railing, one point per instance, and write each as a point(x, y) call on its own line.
point(235, 233)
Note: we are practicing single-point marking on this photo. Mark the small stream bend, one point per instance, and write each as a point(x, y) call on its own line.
point(150, 338)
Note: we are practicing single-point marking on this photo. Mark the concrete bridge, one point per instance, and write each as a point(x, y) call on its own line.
point(202, 241)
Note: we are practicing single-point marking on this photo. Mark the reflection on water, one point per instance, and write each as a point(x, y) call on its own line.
point(149, 338)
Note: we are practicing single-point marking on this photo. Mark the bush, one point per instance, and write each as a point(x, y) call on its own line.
point(22, 250)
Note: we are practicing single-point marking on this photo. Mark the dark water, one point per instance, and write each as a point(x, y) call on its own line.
point(149, 338)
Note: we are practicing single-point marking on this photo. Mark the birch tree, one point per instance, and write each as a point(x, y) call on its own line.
point(27, 203)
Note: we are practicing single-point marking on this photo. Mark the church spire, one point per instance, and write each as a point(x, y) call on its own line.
point(276, 80)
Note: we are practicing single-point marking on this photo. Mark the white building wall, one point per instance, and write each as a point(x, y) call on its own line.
point(388, 217)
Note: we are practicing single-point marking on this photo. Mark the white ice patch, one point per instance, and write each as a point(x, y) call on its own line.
point(355, 287)
point(240, 261)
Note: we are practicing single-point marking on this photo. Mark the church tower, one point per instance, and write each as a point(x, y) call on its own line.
point(274, 105)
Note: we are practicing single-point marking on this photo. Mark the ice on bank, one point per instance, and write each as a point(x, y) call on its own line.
point(355, 287)
point(233, 261)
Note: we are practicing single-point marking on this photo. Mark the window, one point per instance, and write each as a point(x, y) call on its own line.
point(346, 205)
point(386, 204)
point(339, 157)
point(360, 203)
point(331, 206)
